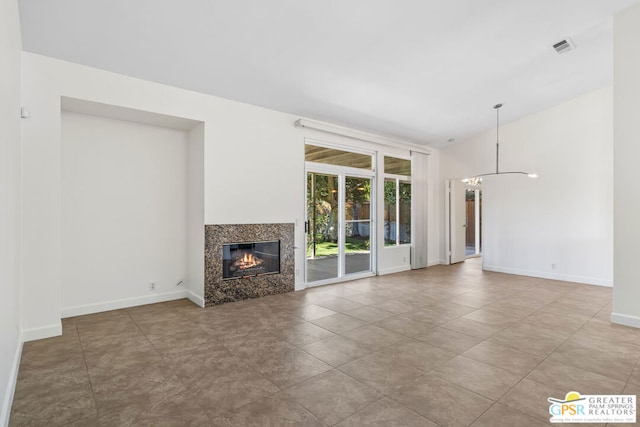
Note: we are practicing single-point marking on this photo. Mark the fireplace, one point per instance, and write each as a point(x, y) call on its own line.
point(252, 259)
point(227, 248)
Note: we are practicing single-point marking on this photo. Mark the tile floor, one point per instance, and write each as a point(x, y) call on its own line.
point(448, 345)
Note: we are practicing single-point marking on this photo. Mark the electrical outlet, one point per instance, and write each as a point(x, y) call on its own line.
point(404, 259)
point(152, 286)
point(553, 266)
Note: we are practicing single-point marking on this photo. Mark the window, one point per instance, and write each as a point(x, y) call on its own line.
point(395, 166)
point(404, 212)
point(390, 211)
point(397, 201)
point(331, 156)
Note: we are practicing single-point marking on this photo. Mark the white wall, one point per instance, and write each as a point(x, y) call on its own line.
point(195, 215)
point(435, 214)
point(124, 209)
point(626, 292)
point(565, 217)
point(245, 147)
point(10, 344)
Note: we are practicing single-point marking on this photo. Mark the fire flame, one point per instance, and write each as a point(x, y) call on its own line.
point(248, 261)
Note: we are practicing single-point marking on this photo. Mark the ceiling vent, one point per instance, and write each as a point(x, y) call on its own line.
point(563, 46)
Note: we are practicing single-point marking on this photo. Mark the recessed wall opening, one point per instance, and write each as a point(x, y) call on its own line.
point(131, 207)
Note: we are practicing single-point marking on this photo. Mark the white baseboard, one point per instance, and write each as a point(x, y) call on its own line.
point(552, 276)
point(625, 319)
point(392, 270)
point(42, 332)
point(436, 262)
point(196, 299)
point(11, 386)
point(122, 303)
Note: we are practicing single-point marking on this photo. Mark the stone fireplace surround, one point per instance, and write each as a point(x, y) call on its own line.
point(217, 291)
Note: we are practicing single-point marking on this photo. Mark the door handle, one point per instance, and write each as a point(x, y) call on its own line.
point(307, 227)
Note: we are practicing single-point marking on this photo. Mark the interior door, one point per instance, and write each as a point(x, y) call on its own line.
point(457, 222)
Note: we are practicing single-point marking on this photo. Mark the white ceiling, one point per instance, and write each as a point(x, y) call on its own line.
point(421, 70)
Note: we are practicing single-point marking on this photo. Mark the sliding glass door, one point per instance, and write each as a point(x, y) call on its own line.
point(339, 225)
point(323, 197)
point(357, 225)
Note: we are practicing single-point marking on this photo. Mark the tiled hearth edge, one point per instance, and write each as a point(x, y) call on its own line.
point(217, 291)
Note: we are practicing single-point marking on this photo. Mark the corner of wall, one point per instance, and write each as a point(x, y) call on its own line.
point(5, 411)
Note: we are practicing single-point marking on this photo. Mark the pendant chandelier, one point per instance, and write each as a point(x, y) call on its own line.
point(498, 172)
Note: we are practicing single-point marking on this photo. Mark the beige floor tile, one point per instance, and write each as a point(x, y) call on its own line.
point(97, 344)
point(563, 323)
point(472, 299)
point(431, 316)
point(313, 311)
point(528, 339)
point(186, 342)
point(448, 340)
point(53, 400)
point(478, 377)
point(136, 387)
point(338, 323)
point(333, 396)
point(177, 410)
point(405, 326)
point(530, 397)
point(253, 347)
point(272, 411)
point(503, 357)
point(336, 351)
point(220, 395)
point(612, 331)
point(374, 337)
point(304, 333)
point(441, 401)
point(349, 288)
point(571, 378)
point(126, 358)
point(367, 298)
point(634, 378)
point(381, 372)
point(504, 416)
point(472, 328)
point(339, 304)
point(418, 354)
point(177, 364)
point(392, 306)
point(492, 317)
point(290, 367)
point(611, 360)
point(514, 306)
point(194, 368)
point(45, 364)
point(386, 413)
point(369, 314)
point(120, 325)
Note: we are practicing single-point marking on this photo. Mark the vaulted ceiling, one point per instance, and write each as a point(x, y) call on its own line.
point(426, 71)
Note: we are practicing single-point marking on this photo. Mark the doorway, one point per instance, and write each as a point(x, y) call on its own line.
point(473, 212)
point(339, 225)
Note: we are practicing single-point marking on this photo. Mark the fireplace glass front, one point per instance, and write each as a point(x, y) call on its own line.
point(250, 259)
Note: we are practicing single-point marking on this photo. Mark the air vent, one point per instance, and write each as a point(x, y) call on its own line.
point(563, 46)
